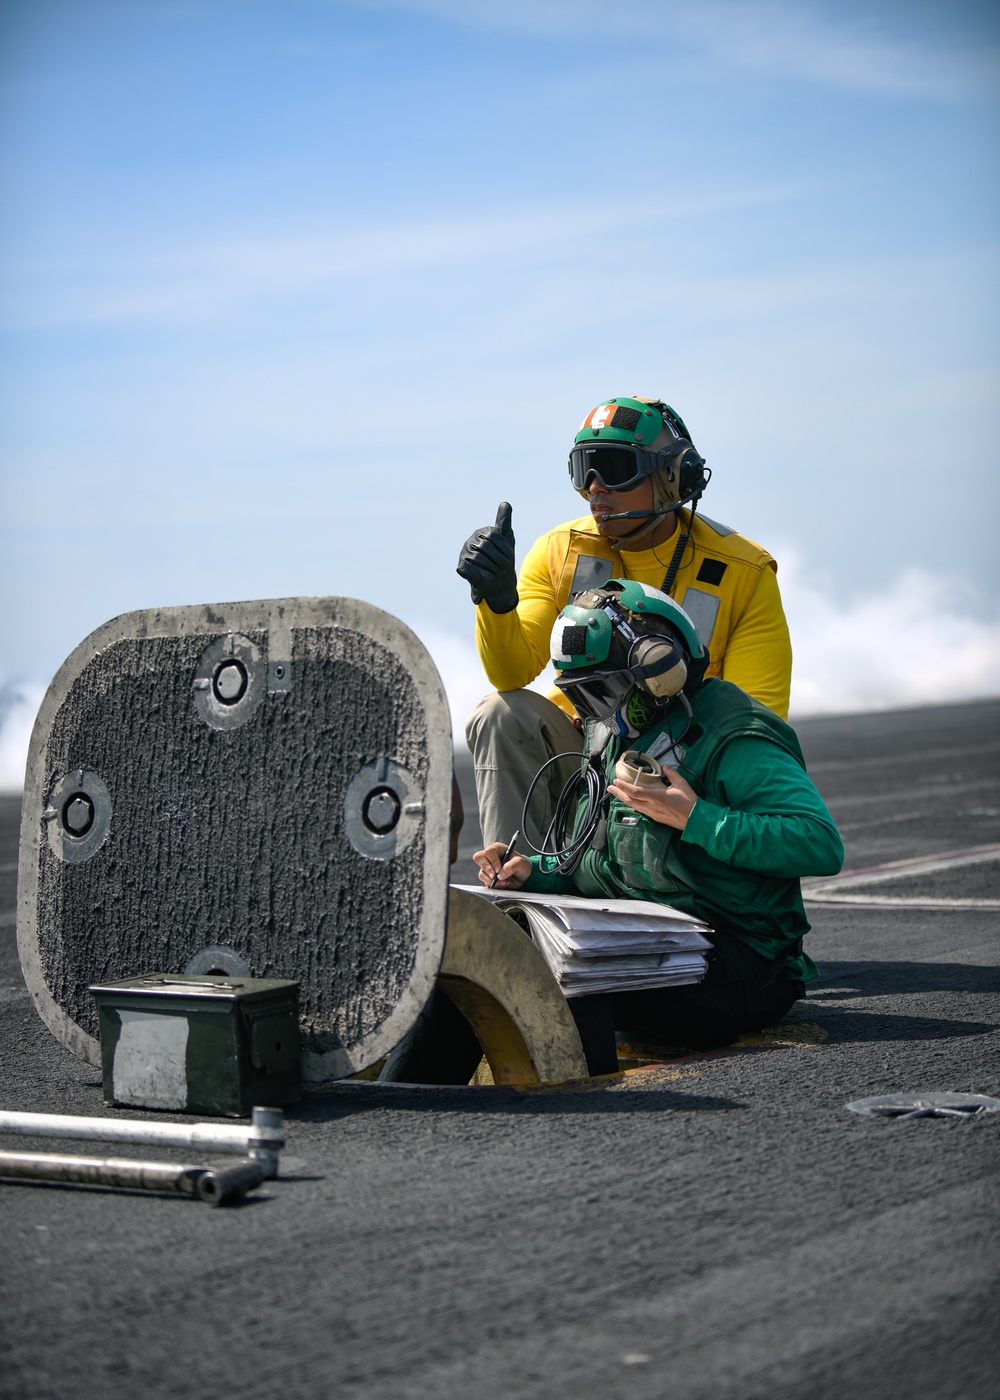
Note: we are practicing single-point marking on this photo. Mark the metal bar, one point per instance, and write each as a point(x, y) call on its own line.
point(261, 1142)
point(123, 1174)
point(222, 1188)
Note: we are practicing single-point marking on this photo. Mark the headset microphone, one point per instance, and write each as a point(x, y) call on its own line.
point(693, 476)
point(639, 514)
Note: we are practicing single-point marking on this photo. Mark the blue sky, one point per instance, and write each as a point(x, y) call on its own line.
point(293, 293)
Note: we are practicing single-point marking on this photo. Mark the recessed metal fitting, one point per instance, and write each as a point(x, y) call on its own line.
point(217, 959)
point(383, 809)
point(942, 1105)
point(279, 677)
point(78, 815)
point(229, 682)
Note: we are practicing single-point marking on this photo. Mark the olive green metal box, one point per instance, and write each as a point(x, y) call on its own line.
point(211, 1045)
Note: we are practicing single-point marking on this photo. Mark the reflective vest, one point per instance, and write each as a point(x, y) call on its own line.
point(647, 859)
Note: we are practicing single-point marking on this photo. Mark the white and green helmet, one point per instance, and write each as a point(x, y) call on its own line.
point(622, 639)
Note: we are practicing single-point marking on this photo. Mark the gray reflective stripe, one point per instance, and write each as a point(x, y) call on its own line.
point(591, 572)
point(719, 529)
point(702, 608)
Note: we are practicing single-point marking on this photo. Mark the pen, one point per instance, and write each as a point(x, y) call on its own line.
point(505, 858)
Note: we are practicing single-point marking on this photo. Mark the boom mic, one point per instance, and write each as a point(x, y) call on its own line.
point(640, 514)
point(692, 497)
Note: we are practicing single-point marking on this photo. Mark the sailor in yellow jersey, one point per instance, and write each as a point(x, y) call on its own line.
point(634, 462)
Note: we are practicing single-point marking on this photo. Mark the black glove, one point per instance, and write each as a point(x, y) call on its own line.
point(487, 564)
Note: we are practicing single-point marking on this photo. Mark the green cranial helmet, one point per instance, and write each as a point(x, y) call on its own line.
point(625, 440)
point(649, 423)
point(624, 640)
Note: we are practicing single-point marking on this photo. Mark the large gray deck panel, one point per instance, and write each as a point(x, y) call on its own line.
point(235, 836)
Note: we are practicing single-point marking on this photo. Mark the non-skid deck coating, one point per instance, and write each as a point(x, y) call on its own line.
point(239, 832)
point(718, 1228)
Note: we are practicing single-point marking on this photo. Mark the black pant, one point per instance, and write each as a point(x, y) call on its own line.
point(742, 991)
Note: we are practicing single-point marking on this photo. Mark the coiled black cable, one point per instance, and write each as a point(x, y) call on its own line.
point(571, 830)
point(679, 548)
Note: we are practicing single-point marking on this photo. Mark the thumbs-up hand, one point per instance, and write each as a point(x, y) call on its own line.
point(487, 563)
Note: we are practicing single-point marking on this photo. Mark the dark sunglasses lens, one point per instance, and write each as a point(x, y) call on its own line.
point(618, 468)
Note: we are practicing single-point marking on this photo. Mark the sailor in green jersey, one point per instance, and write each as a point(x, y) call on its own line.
point(725, 834)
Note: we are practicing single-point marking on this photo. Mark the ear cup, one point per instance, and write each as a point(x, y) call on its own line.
point(664, 657)
point(691, 479)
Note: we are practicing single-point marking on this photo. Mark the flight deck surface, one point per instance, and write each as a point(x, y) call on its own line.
point(716, 1227)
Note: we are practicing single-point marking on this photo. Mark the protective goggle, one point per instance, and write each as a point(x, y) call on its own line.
point(597, 696)
point(618, 466)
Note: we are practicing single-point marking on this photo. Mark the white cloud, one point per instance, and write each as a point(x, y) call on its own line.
point(842, 46)
point(916, 643)
point(176, 285)
point(461, 674)
point(19, 702)
point(800, 41)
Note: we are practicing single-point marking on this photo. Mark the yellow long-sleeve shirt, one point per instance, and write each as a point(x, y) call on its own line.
point(726, 584)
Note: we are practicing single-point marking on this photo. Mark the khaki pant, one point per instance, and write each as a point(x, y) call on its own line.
point(511, 734)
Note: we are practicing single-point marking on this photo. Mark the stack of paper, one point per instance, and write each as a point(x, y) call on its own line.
point(608, 945)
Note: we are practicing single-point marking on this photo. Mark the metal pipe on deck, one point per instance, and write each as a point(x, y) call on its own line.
point(261, 1141)
point(124, 1174)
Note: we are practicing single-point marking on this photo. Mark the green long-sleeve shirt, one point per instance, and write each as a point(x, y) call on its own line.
point(757, 826)
point(766, 815)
